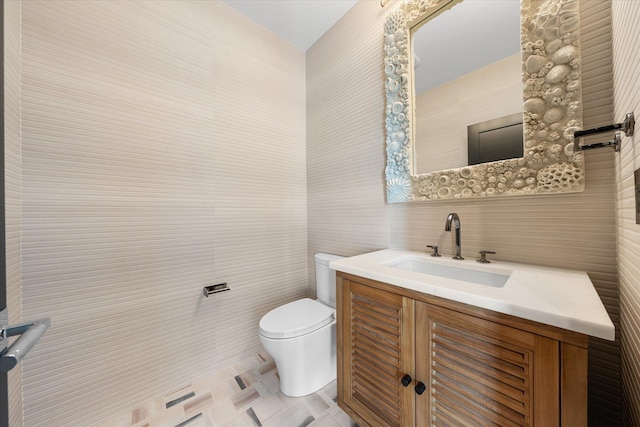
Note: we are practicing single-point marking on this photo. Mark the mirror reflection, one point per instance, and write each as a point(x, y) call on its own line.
point(467, 85)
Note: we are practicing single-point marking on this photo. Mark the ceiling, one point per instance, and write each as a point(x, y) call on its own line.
point(301, 22)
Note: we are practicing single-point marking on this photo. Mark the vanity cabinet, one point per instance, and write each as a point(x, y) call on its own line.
point(411, 359)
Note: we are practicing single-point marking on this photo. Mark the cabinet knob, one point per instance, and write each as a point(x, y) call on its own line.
point(420, 387)
point(406, 380)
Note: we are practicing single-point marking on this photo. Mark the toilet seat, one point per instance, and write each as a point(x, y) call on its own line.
point(295, 319)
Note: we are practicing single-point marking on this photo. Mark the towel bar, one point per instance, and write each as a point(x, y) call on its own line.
point(627, 126)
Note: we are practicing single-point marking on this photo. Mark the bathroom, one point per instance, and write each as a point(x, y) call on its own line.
point(208, 150)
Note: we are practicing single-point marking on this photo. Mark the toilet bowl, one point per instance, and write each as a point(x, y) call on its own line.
point(301, 336)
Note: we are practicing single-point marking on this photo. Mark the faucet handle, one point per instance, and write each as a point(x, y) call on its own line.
point(435, 250)
point(483, 257)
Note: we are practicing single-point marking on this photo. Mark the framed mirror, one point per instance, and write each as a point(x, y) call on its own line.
point(425, 128)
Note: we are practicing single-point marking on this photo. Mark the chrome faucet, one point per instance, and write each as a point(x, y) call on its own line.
point(453, 217)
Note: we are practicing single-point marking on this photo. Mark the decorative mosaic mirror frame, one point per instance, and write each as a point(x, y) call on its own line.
point(552, 110)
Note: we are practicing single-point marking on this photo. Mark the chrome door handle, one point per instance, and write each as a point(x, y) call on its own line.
point(29, 333)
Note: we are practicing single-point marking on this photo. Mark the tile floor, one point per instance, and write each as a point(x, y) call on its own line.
point(243, 395)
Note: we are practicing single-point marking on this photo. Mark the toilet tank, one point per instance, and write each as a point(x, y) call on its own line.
point(326, 278)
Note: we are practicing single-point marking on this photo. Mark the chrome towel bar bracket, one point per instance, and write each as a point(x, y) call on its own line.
point(29, 333)
point(627, 126)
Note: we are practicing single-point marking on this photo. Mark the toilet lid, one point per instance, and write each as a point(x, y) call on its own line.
point(295, 319)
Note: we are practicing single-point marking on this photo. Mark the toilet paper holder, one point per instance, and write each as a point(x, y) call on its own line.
point(214, 289)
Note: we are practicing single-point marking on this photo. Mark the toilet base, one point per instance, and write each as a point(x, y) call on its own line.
point(305, 364)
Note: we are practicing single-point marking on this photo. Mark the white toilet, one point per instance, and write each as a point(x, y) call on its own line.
point(301, 336)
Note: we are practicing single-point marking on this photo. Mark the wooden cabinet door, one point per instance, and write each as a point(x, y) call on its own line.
point(375, 351)
point(480, 373)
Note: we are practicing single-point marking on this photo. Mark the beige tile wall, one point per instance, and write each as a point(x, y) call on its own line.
point(347, 210)
point(12, 161)
point(162, 150)
point(345, 135)
point(626, 60)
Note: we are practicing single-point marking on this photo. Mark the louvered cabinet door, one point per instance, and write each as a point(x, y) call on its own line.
point(375, 351)
point(481, 373)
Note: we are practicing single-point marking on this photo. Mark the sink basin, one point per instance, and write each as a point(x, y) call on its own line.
point(496, 278)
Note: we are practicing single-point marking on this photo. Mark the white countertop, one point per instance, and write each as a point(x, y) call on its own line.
point(553, 296)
